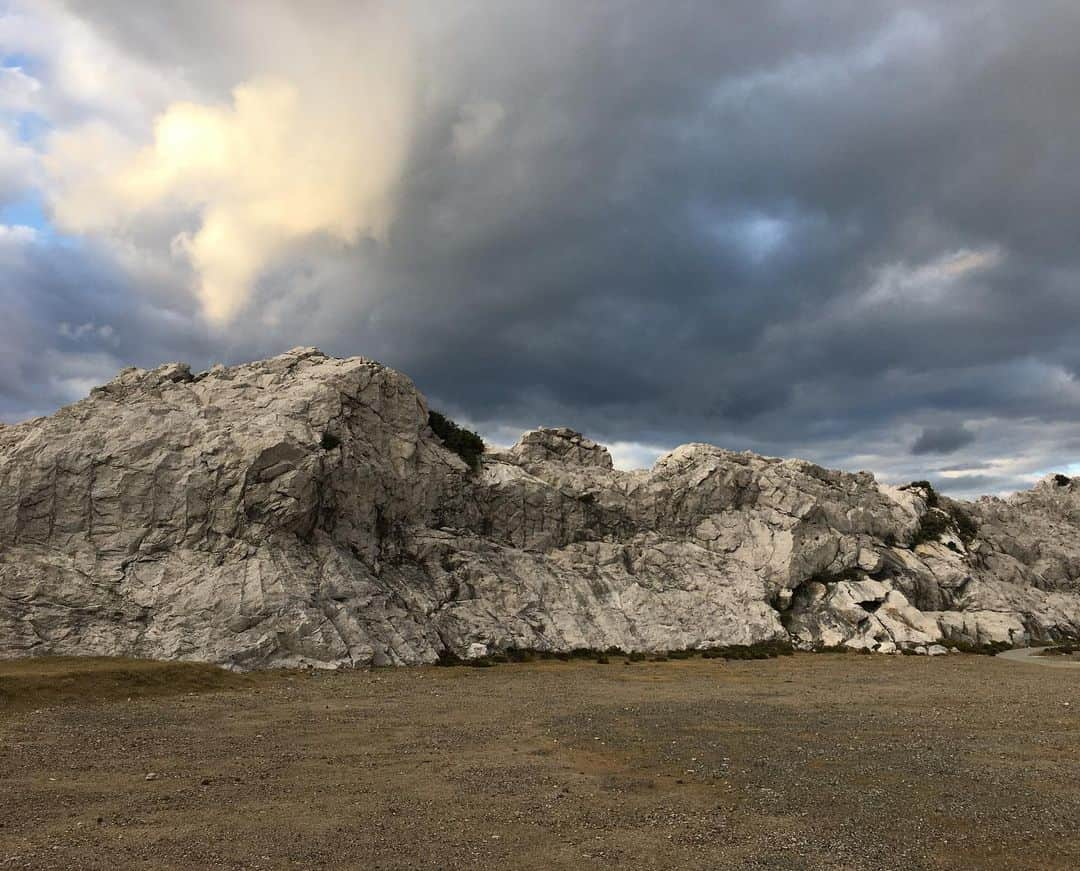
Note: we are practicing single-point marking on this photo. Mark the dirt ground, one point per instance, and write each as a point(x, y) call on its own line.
point(804, 762)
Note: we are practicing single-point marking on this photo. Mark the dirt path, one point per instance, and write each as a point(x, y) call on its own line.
point(1032, 656)
point(805, 762)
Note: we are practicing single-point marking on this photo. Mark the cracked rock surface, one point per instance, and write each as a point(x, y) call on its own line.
point(299, 510)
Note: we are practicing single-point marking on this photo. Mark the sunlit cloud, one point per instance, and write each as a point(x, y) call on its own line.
point(284, 160)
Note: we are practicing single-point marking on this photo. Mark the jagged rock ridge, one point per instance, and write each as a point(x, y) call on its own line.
point(300, 510)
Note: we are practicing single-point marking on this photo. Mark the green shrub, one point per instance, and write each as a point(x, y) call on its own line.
point(932, 525)
point(931, 493)
point(329, 441)
point(758, 650)
point(989, 649)
point(447, 659)
point(966, 527)
point(937, 521)
point(463, 442)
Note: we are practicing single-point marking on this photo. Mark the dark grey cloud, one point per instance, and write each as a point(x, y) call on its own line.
point(74, 314)
point(832, 229)
point(942, 440)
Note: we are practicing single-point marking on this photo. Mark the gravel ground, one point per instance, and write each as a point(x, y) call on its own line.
point(804, 762)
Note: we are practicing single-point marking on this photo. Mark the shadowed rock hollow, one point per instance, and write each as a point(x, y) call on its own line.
point(300, 510)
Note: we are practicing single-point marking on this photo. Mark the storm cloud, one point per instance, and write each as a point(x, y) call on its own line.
point(839, 230)
point(942, 440)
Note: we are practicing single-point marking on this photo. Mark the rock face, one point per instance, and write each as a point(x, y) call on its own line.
point(299, 510)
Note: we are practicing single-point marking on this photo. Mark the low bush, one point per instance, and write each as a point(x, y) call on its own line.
point(984, 649)
point(966, 527)
point(759, 650)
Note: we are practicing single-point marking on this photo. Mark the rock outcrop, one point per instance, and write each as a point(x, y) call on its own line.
point(300, 510)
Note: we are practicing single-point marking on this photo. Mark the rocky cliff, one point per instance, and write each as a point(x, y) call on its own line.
point(300, 510)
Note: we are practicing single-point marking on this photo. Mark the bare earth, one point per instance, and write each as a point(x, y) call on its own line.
point(808, 762)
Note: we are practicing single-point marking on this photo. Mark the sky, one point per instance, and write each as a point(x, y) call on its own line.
point(844, 230)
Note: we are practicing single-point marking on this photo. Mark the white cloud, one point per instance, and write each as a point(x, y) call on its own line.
point(634, 455)
point(87, 330)
point(16, 235)
point(928, 282)
point(17, 89)
point(81, 73)
point(18, 167)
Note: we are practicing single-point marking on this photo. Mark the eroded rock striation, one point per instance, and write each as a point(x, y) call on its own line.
point(300, 510)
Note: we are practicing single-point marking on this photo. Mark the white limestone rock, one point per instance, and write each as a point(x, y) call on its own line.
point(299, 511)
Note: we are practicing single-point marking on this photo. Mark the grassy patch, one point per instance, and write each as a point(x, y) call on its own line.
point(38, 682)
